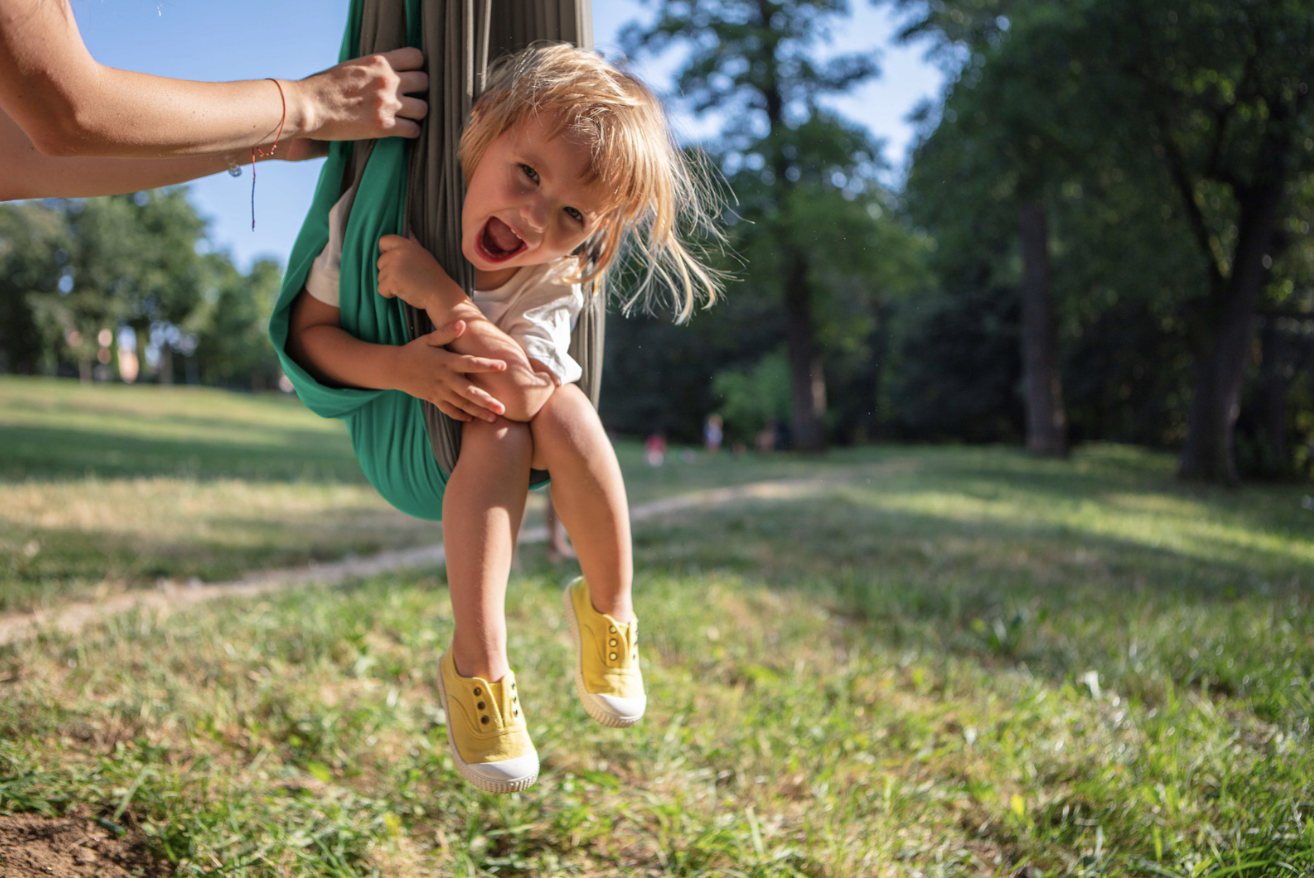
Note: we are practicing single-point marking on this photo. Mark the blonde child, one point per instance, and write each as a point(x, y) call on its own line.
point(566, 160)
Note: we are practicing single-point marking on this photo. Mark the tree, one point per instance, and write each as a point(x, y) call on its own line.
point(232, 342)
point(1270, 428)
point(1208, 99)
point(1224, 91)
point(1015, 123)
point(34, 244)
point(123, 261)
point(784, 155)
point(72, 271)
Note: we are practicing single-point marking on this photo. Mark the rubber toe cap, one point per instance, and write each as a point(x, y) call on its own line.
point(508, 770)
point(622, 708)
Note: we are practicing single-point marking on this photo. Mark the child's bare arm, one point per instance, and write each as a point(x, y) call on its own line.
point(423, 368)
point(408, 272)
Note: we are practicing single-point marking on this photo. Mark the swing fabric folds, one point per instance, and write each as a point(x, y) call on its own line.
point(406, 447)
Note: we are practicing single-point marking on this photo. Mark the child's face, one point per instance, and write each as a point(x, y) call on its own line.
point(527, 202)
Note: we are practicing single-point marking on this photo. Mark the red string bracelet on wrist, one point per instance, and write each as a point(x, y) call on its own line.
point(257, 150)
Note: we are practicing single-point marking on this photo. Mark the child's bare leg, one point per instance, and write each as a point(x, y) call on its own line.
point(482, 508)
point(558, 548)
point(589, 495)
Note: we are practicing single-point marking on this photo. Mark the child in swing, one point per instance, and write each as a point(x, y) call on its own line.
point(566, 159)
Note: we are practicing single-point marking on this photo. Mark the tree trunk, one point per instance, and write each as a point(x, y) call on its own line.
point(1221, 369)
point(165, 367)
point(1046, 422)
point(1269, 401)
point(807, 381)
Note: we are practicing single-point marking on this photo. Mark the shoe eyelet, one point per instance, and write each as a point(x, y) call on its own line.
point(484, 720)
point(515, 713)
point(613, 656)
point(613, 629)
point(478, 691)
point(613, 641)
point(481, 705)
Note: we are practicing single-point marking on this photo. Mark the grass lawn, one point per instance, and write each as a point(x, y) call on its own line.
point(946, 661)
point(108, 488)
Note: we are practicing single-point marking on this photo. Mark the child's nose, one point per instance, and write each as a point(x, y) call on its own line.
point(534, 213)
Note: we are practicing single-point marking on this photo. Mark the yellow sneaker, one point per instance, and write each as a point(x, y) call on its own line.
point(486, 730)
point(607, 675)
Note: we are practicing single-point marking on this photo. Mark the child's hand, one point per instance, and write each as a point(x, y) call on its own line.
point(430, 371)
point(408, 272)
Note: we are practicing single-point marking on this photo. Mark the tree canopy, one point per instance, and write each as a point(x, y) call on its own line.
point(1181, 130)
point(1103, 234)
point(82, 279)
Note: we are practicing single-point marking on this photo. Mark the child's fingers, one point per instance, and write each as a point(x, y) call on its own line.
point(391, 242)
point(452, 411)
point(467, 363)
point(445, 335)
point(467, 399)
point(479, 402)
point(385, 280)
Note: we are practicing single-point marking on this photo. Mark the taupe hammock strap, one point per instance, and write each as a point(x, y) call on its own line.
point(461, 39)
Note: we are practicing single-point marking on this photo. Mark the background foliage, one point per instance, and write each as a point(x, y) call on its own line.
point(137, 268)
point(880, 306)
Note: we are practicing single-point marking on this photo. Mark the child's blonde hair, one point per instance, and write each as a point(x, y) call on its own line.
point(657, 196)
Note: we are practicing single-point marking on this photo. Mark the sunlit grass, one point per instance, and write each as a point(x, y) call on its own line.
point(300, 734)
point(934, 661)
point(1189, 527)
point(62, 430)
point(109, 488)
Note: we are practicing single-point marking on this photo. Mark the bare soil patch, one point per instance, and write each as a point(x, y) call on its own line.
point(73, 847)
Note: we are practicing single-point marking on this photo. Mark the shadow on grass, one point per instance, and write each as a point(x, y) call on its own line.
point(1059, 602)
point(71, 453)
point(77, 563)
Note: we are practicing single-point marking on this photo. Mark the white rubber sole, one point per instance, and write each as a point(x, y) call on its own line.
point(485, 784)
point(592, 704)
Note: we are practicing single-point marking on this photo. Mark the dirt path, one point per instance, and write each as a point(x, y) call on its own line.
point(172, 597)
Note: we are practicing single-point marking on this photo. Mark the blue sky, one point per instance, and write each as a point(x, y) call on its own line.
point(251, 39)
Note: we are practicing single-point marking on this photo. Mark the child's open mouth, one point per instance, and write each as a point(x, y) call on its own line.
point(499, 241)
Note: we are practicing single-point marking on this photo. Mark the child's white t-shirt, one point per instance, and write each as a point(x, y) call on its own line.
point(537, 307)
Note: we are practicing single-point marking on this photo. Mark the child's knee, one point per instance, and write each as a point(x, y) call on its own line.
point(566, 405)
point(503, 435)
point(567, 424)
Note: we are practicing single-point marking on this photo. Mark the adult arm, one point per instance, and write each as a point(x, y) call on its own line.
point(29, 173)
point(423, 368)
point(70, 105)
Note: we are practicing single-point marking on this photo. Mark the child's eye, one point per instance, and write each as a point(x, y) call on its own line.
point(574, 214)
point(530, 172)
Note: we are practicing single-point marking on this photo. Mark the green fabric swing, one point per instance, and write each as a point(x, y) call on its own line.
point(406, 447)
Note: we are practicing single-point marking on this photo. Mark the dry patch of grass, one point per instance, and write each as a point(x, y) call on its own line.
point(92, 538)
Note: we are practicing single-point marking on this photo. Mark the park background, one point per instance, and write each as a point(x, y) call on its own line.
point(1024, 590)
